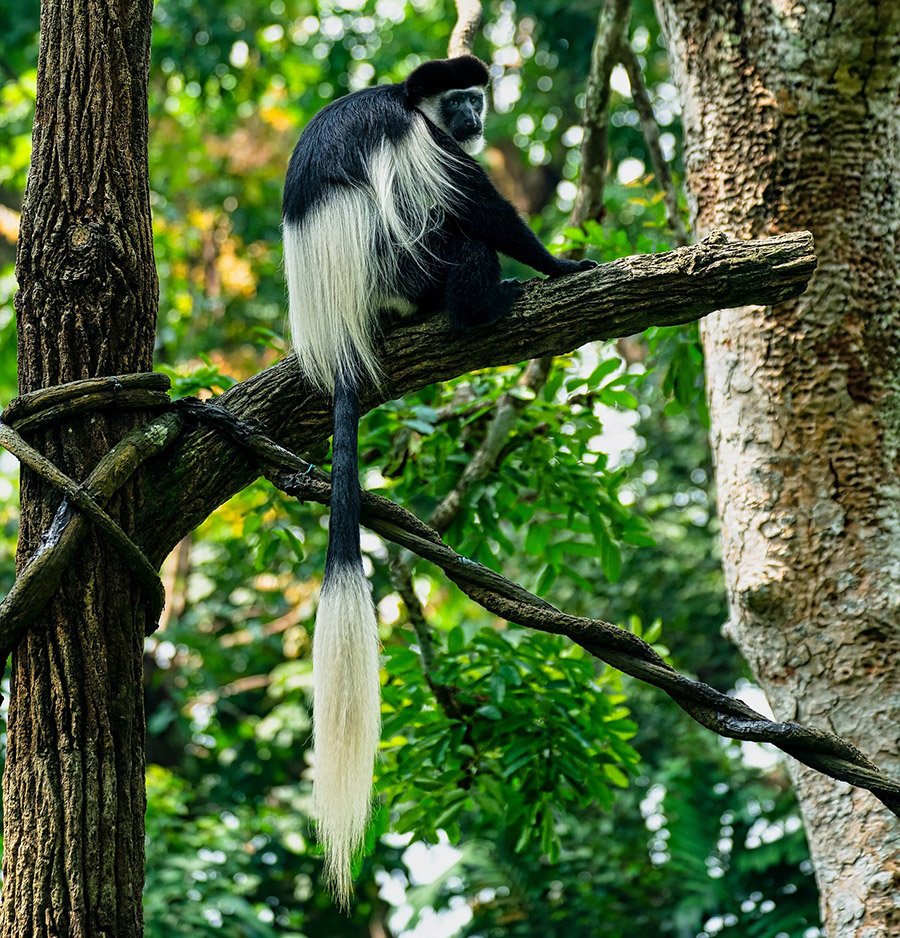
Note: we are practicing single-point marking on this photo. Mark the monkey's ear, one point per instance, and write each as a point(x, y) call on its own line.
point(439, 75)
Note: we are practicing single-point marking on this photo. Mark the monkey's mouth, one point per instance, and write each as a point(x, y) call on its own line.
point(473, 143)
point(468, 133)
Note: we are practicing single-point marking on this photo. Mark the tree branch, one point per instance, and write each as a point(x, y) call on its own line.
point(642, 104)
point(39, 578)
point(553, 317)
point(610, 37)
point(83, 500)
point(623, 650)
point(462, 39)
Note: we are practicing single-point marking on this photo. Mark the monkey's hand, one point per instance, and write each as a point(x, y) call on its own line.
point(506, 294)
point(565, 267)
point(493, 304)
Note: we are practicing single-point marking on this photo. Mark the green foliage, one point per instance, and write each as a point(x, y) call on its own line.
point(207, 377)
point(528, 731)
point(703, 849)
point(580, 803)
point(566, 510)
point(199, 874)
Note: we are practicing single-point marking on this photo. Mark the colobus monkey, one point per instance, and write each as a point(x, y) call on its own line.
point(384, 210)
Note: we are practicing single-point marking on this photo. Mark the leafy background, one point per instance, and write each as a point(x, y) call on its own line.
point(554, 798)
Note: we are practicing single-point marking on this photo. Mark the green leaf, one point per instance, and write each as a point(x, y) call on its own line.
point(456, 640)
point(536, 538)
point(615, 775)
point(490, 711)
point(547, 579)
point(603, 369)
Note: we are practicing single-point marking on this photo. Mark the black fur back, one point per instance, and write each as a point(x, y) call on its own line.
point(335, 147)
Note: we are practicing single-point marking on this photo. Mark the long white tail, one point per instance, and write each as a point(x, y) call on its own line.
point(346, 708)
point(346, 721)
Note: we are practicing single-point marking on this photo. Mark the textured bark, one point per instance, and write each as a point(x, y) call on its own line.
point(792, 120)
point(553, 317)
point(74, 778)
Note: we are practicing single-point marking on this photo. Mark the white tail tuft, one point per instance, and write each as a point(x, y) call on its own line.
point(346, 719)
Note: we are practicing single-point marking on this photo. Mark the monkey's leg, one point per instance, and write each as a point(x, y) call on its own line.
point(474, 294)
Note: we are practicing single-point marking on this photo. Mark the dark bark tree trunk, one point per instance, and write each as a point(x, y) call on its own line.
point(73, 786)
point(792, 121)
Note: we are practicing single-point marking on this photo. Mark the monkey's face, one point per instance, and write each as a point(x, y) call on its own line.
point(459, 113)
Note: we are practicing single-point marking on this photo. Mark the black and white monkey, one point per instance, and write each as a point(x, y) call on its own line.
point(385, 210)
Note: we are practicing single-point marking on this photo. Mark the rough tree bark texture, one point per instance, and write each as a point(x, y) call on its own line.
point(791, 121)
point(73, 788)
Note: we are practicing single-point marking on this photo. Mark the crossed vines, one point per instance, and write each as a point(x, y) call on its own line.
point(84, 503)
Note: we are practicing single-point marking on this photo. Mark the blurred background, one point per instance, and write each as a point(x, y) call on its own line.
point(524, 790)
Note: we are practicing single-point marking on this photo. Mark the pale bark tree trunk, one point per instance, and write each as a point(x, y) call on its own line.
point(792, 120)
point(73, 787)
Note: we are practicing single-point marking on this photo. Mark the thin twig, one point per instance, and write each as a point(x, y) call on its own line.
point(402, 581)
point(608, 40)
point(485, 459)
point(727, 716)
point(641, 100)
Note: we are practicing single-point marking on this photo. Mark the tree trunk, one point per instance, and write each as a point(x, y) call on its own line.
point(73, 786)
point(791, 121)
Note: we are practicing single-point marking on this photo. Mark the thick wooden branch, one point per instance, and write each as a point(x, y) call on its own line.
point(553, 317)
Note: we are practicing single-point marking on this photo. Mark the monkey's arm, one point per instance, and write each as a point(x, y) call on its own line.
point(484, 215)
